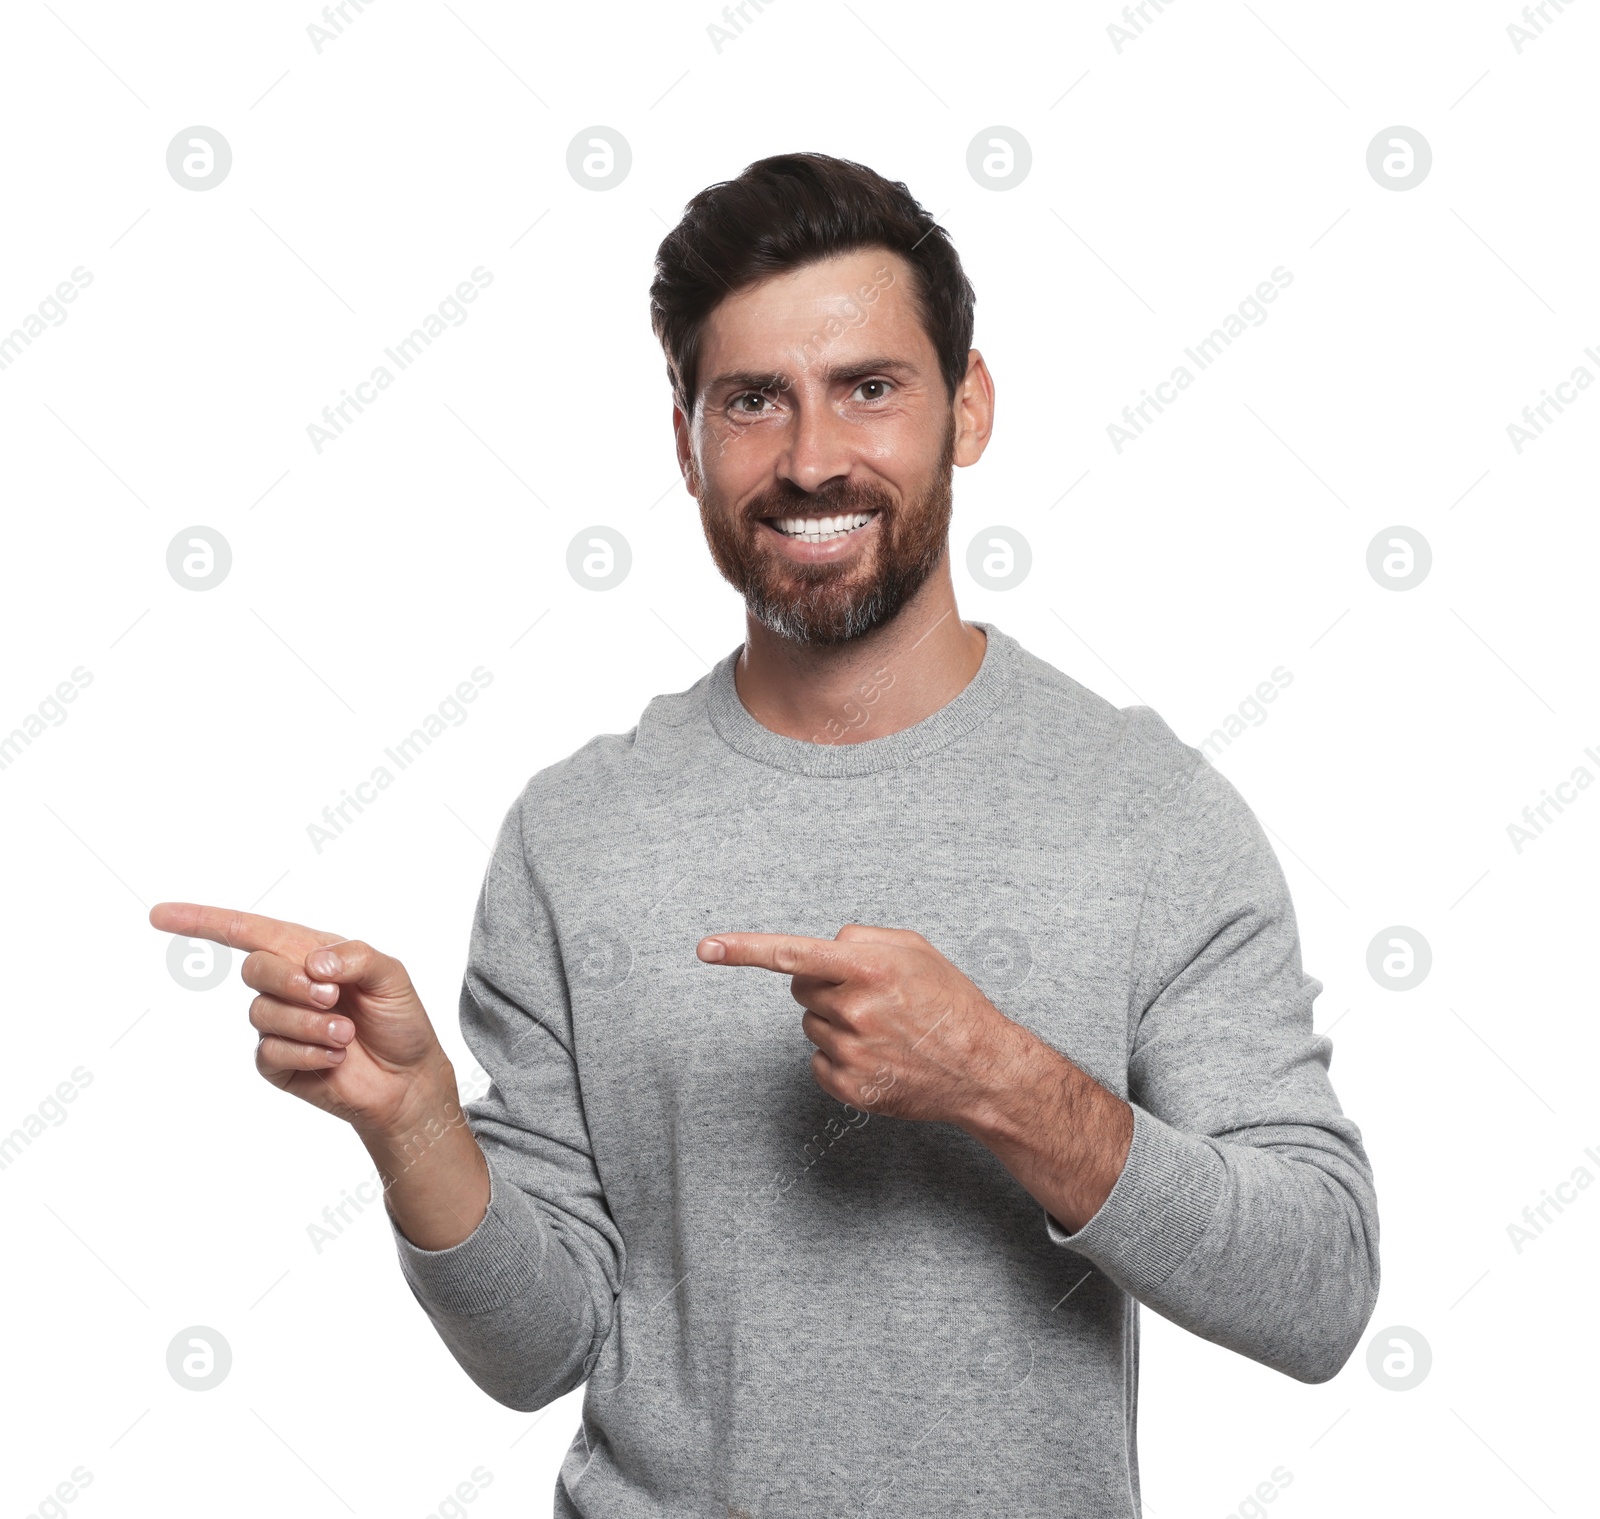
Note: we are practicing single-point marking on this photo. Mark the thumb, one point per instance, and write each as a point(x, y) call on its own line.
point(865, 933)
point(353, 962)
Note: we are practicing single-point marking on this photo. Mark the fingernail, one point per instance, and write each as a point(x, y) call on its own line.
point(324, 991)
point(335, 1056)
point(341, 1029)
point(713, 949)
point(323, 962)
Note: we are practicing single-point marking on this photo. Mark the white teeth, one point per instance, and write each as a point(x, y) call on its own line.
point(820, 529)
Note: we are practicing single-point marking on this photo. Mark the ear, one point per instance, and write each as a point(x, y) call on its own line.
point(973, 408)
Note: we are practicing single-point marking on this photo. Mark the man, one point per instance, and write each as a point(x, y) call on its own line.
point(1055, 1057)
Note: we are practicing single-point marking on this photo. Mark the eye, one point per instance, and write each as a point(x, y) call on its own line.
point(752, 404)
point(883, 388)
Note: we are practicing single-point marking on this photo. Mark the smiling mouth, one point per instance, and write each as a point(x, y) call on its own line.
point(820, 529)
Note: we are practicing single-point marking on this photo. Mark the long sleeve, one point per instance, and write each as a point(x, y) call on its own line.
point(525, 1301)
point(1245, 1212)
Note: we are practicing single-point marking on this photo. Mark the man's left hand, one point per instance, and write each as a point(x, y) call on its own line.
point(898, 1029)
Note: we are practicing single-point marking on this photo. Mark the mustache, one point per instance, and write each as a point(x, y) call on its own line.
point(788, 500)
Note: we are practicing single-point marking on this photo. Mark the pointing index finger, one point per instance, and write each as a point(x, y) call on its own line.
point(239, 930)
point(791, 954)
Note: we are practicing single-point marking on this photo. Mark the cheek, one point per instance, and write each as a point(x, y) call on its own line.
point(897, 446)
point(732, 458)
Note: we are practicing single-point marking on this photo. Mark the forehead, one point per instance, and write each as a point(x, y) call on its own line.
point(850, 303)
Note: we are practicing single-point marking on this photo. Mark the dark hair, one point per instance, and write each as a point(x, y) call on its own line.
point(788, 211)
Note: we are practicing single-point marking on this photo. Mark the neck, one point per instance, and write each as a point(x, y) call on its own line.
point(886, 680)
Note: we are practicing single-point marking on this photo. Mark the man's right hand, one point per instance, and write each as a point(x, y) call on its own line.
point(341, 1024)
point(343, 1028)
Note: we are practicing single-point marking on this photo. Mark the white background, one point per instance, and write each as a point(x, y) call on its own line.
point(1168, 179)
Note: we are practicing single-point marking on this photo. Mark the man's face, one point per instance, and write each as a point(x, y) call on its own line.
point(822, 445)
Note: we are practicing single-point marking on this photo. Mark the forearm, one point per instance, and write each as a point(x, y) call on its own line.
point(1061, 1134)
point(1265, 1243)
point(435, 1177)
point(512, 1303)
point(1264, 1240)
point(516, 1308)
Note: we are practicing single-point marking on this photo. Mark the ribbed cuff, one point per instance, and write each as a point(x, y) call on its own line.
point(1161, 1205)
point(498, 1261)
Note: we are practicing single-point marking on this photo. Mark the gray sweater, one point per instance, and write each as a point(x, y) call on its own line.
point(788, 1307)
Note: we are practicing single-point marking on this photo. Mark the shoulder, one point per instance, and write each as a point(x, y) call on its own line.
point(1165, 795)
point(1129, 750)
point(574, 803)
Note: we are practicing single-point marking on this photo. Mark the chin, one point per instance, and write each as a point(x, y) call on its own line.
point(822, 627)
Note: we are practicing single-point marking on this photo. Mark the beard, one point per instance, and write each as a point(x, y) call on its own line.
point(833, 603)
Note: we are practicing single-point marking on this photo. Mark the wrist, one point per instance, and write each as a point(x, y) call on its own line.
point(429, 1112)
point(1016, 1066)
point(1062, 1134)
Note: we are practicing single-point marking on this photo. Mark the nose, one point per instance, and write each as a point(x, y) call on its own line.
point(816, 449)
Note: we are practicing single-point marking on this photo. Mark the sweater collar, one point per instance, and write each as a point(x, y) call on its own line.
point(963, 712)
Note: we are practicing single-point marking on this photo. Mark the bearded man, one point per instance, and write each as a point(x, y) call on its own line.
point(1054, 1054)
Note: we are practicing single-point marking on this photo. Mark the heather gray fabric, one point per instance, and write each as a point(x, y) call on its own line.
point(788, 1307)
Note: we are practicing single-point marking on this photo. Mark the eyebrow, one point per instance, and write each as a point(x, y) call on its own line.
point(751, 379)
